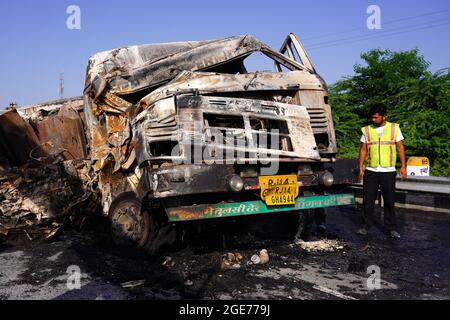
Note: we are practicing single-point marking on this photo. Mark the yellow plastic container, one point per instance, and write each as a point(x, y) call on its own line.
point(418, 166)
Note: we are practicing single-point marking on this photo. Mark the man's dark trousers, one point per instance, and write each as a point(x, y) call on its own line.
point(386, 182)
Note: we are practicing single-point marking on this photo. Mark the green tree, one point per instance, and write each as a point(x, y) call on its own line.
point(417, 99)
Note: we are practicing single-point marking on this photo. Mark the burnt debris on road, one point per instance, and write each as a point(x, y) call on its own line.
point(222, 266)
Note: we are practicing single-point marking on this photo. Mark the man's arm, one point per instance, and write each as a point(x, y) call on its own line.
point(401, 155)
point(362, 158)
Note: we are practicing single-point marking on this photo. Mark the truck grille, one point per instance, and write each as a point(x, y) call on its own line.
point(319, 121)
point(265, 133)
point(241, 128)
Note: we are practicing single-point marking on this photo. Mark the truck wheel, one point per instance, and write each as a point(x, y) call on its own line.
point(306, 220)
point(163, 235)
point(303, 225)
point(129, 226)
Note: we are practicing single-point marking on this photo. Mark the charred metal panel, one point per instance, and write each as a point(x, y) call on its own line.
point(63, 134)
point(245, 84)
point(37, 198)
point(321, 119)
point(108, 130)
point(188, 179)
point(18, 139)
point(39, 112)
point(111, 184)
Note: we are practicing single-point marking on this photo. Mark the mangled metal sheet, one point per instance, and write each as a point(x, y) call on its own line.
point(63, 134)
point(38, 201)
point(108, 132)
point(18, 141)
point(47, 177)
point(43, 192)
point(245, 84)
point(42, 132)
point(41, 111)
point(131, 69)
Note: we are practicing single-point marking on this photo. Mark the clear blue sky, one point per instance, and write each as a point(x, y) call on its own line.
point(36, 46)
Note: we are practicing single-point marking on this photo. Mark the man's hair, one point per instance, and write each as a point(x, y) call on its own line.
point(377, 107)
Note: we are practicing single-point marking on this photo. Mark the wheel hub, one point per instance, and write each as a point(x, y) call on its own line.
point(130, 226)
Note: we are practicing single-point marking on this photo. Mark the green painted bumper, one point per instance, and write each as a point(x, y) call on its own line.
point(221, 210)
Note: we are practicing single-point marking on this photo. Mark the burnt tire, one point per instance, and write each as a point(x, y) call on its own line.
point(163, 235)
point(303, 225)
point(307, 218)
point(129, 226)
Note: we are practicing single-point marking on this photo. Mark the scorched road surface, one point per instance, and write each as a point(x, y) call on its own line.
point(415, 267)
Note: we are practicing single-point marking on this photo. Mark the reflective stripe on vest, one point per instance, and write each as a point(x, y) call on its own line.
point(381, 151)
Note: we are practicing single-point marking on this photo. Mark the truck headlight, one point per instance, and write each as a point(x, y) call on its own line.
point(326, 179)
point(235, 183)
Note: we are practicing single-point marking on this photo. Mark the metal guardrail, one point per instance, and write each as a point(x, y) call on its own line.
point(425, 184)
point(439, 185)
point(416, 192)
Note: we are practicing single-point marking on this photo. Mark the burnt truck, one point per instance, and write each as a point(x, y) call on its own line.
point(185, 132)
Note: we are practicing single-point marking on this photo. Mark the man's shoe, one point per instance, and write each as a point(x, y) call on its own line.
point(362, 232)
point(394, 234)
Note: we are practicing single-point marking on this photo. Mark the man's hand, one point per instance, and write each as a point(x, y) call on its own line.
point(401, 153)
point(403, 173)
point(362, 157)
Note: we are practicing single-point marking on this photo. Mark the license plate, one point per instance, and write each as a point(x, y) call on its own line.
point(278, 190)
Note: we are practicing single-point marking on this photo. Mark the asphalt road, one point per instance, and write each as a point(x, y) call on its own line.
point(415, 267)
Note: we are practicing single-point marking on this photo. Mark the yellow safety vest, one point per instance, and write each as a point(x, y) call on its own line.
point(382, 151)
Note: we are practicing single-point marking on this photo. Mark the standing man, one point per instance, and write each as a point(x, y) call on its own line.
point(380, 142)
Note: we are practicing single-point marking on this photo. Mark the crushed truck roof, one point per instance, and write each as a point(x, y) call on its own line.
point(130, 69)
